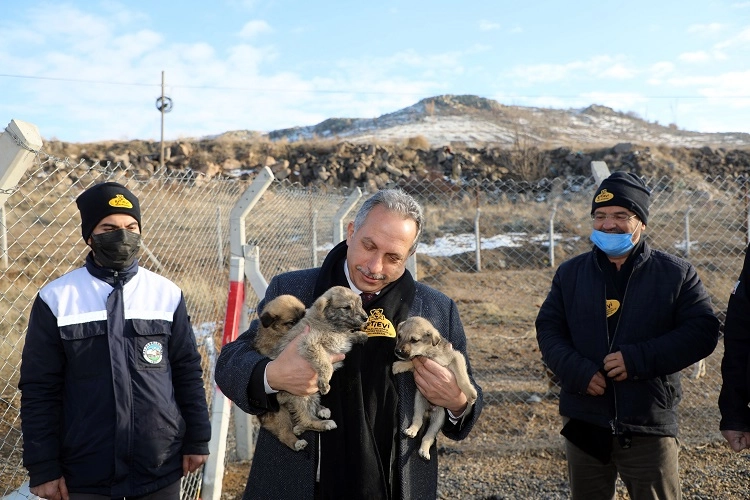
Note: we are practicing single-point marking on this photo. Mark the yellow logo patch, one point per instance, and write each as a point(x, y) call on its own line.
point(120, 201)
point(603, 196)
point(379, 326)
point(612, 307)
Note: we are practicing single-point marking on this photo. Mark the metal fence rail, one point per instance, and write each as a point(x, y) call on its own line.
point(186, 239)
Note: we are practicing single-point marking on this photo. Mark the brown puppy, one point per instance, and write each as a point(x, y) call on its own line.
point(417, 337)
point(335, 322)
point(277, 318)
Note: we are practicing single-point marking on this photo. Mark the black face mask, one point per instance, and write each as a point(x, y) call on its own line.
point(116, 249)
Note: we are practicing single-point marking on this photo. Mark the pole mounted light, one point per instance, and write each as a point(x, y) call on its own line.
point(164, 105)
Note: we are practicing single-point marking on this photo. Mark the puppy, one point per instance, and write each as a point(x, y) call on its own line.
point(417, 337)
point(277, 318)
point(335, 322)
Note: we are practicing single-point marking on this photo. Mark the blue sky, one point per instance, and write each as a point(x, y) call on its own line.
point(88, 70)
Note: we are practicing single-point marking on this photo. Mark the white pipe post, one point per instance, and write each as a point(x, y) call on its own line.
point(687, 231)
point(18, 147)
point(552, 236)
point(4, 236)
point(219, 242)
point(246, 426)
point(315, 238)
point(341, 213)
point(213, 472)
point(478, 241)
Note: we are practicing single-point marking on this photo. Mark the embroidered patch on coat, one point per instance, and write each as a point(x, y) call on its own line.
point(153, 352)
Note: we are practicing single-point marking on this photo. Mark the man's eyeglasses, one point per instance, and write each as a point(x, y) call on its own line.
point(620, 218)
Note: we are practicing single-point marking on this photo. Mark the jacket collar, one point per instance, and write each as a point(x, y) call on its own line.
point(110, 276)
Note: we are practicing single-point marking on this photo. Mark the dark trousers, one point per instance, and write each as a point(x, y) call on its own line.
point(171, 492)
point(649, 469)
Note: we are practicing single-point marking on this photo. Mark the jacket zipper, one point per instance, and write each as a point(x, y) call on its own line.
point(614, 423)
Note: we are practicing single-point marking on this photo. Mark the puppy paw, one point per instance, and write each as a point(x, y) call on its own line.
point(328, 425)
point(424, 452)
point(402, 366)
point(324, 412)
point(300, 445)
point(324, 387)
point(411, 431)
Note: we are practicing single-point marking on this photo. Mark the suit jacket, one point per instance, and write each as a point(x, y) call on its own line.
point(278, 472)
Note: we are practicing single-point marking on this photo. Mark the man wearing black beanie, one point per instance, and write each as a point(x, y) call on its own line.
point(112, 397)
point(617, 327)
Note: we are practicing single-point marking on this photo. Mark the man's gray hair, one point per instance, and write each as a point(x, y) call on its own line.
point(393, 200)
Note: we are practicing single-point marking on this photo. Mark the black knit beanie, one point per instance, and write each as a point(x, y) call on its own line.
point(102, 200)
point(623, 189)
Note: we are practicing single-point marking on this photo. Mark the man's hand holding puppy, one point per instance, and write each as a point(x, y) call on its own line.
point(438, 384)
point(292, 373)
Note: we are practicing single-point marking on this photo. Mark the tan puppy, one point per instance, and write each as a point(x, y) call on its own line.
point(277, 318)
point(417, 337)
point(335, 322)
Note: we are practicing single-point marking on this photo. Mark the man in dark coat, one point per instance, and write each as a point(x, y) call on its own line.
point(618, 325)
point(112, 397)
point(735, 365)
point(367, 455)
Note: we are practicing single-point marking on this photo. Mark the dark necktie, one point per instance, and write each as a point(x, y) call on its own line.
point(367, 297)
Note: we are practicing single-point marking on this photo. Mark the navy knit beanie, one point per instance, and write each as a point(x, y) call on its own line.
point(623, 189)
point(102, 200)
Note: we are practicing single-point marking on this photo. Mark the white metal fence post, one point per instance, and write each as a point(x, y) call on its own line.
point(18, 146)
point(341, 213)
point(478, 241)
point(552, 236)
point(220, 408)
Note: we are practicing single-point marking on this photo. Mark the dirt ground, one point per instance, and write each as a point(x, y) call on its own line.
point(515, 450)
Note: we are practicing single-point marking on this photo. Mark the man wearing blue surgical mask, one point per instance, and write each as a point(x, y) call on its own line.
point(617, 326)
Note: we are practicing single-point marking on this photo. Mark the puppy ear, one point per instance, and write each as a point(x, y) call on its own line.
point(321, 303)
point(400, 325)
point(300, 314)
point(267, 319)
point(435, 337)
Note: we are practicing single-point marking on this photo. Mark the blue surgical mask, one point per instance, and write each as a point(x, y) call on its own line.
point(613, 244)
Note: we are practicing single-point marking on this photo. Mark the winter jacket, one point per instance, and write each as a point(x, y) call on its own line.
point(666, 323)
point(735, 365)
point(279, 473)
point(111, 401)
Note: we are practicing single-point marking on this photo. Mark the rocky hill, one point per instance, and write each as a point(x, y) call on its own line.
point(473, 121)
point(455, 138)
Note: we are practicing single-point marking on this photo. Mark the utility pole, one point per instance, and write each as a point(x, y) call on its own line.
point(164, 105)
point(161, 109)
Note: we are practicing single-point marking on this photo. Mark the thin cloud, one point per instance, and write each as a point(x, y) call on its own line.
point(485, 25)
point(706, 29)
point(699, 56)
point(254, 28)
point(741, 41)
point(596, 67)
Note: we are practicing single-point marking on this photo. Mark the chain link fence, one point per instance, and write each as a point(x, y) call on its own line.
point(493, 238)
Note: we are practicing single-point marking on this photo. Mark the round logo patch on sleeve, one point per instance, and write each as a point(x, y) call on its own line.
point(153, 352)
